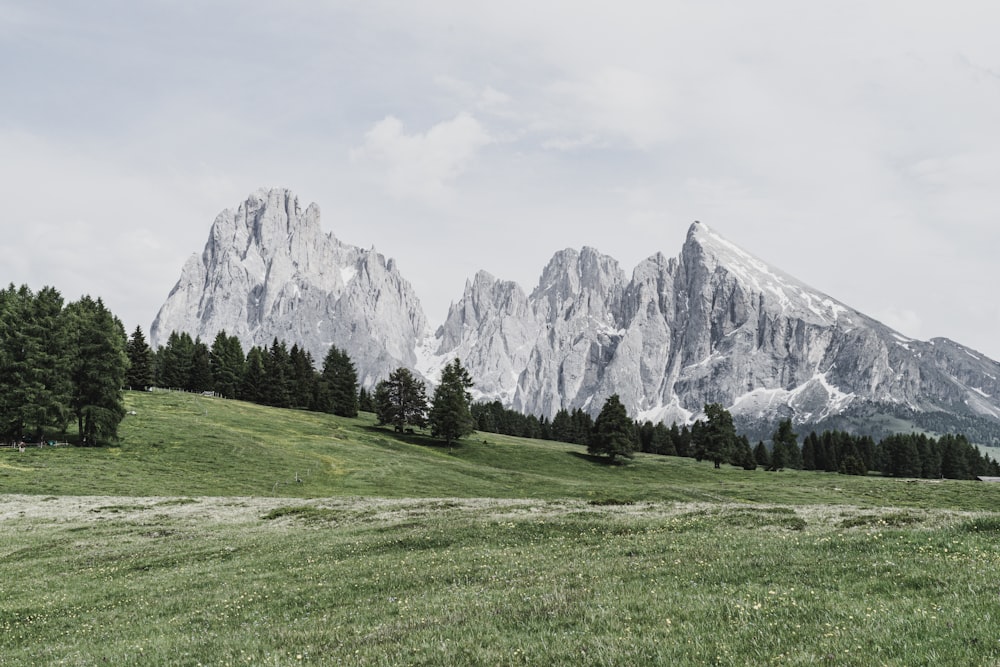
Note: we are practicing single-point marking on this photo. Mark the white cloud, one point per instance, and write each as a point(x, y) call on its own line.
point(612, 104)
point(421, 165)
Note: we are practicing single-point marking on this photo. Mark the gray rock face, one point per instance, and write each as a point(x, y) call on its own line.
point(268, 271)
point(713, 325)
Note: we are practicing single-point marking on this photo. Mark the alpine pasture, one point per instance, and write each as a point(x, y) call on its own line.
point(219, 532)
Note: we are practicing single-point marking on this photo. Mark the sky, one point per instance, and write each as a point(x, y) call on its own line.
point(853, 145)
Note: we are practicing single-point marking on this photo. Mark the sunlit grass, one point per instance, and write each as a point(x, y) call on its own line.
point(475, 582)
point(185, 445)
point(220, 533)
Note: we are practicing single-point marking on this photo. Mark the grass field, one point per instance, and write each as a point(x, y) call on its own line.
point(193, 543)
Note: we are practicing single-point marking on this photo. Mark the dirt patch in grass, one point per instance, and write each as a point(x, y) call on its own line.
point(341, 511)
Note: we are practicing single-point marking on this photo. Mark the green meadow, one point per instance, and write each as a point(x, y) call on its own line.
point(223, 533)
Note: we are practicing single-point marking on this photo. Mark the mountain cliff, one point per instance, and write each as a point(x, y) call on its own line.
point(715, 324)
point(268, 271)
point(712, 325)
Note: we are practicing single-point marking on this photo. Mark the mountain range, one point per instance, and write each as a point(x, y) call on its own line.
point(712, 325)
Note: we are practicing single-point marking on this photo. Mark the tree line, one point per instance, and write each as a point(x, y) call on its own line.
point(714, 438)
point(59, 362)
point(284, 377)
point(277, 375)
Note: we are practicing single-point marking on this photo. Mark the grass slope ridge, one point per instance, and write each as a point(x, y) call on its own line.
point(181, 444)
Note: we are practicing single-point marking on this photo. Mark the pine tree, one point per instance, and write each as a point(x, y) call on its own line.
point(228, 364)
point(809, 446)
point(302, 378)
point(200, 377)
point(140, 362)
point(742, 455)
point(717, 435)
point(98, 341)
point(450, 416)
point(254, 377)
point(365, 401)
point(613, 431)
point(785, 448)
point(277, 373)
point(562, 426)
point(683, 440)
point(661, 441)
point(340, 383)
point(178, 356)
point(401, 400)
point(35, 360)
point(761, 456)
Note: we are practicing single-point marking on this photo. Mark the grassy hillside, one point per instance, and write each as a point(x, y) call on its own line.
point(188, 445)
point(499, 552)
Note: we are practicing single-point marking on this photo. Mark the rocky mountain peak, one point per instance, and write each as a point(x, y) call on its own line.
point(269, 271)
point(714, 324)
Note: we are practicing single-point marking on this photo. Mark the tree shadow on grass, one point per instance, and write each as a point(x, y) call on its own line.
point(413, 437)
point(600, 460)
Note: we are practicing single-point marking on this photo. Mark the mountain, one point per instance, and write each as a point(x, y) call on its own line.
point(712, 325)
point(268, 271)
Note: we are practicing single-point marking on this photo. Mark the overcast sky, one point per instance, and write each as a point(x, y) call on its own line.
point(854, 145)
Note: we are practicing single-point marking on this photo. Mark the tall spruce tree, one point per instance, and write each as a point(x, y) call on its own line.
point(302, 388)
point(365, 401)
point(277, 371)
point(613, 431)
point(785, 451)
point(401, 400)
point(228, 364)
point(450, 415)
point(140, 362)
point(717, 437)
point(254, 376)
point(339, 382)
point(35, 358)
point(200, 377)
point(178, 356)
point(99, 367)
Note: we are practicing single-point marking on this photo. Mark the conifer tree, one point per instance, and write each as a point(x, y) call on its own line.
point(228, 363)
point(562, 426)
point(277, 373)
point(254, 377)
point(35, 358)
point(784, 447)
point(401, 400)
point(742, 454)
point(178, 356)
point(98, 340)
point(450, 416)
point(809, 446)
point(200, 377)
point(302, 378)
point(613, 431)
point(340, 383)
point(661, 441)
point(140, 362)
point(717, 437)
point(683, 440)
point(365, 402)
point(761, 456)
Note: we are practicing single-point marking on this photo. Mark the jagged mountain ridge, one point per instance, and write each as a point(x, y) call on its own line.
point(714, 324)
point(268, 271)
